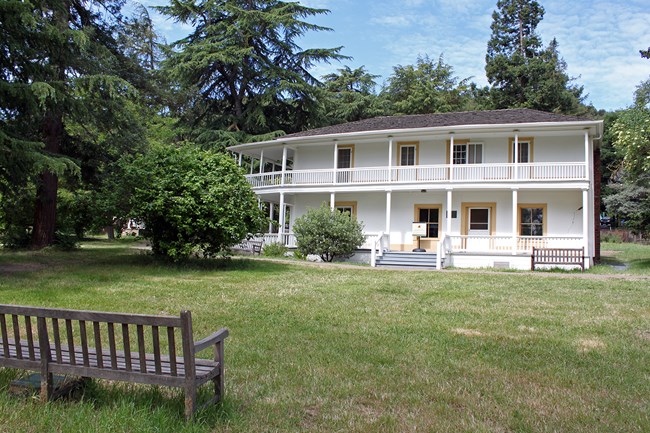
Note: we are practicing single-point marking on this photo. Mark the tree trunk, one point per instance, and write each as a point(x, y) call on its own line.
point(45, 209)
point(110, 232)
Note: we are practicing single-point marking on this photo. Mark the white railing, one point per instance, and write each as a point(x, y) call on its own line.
point(502, 244)
point(379, 244)
point(539, 171)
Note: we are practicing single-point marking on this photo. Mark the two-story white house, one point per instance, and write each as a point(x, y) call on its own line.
point(485, 187)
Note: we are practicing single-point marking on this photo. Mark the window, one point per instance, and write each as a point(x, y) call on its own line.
point(479, 219)
point(531, 220)
point(346, 206)
point(430, 216)
point(525, 145)
point(468, 153)
point(345, 157)
point(407, 155)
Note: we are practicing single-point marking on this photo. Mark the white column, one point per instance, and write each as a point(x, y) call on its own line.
point(271, 215)
point(336, 160)
point(252, 164)
point(332, 200)
point(451, 157)
point(514, 220)
point(240, 156)
point(515, 156)
point(586, 154)
point(284, 162)
point(262, 161)
point(389, 199)
point(585, 225)
point(282, 216)
point(390, 159)
point(449, 197)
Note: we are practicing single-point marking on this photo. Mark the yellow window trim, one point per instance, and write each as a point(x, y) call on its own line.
point(531, 144)
point(521, 206)
point(464, 209)
point(416, 214)
point(401, 144)
point(347, 146)
point(352, 204)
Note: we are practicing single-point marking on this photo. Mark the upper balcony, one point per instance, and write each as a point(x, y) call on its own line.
point(425, 174)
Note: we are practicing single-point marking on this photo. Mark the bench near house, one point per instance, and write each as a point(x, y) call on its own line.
point(488, 185)
point(136, 348)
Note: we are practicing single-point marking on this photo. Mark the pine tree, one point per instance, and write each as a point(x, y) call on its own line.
point(59, 81)
point(244, 66)
point(520, 70)
point(350, 95)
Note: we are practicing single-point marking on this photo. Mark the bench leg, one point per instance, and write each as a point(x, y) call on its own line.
point(47, 380)
point(190, 401)
point(219, 380)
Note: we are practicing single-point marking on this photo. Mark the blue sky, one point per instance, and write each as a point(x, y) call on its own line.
point(599, 40)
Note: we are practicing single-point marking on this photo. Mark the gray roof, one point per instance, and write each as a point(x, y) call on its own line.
point(492, 117)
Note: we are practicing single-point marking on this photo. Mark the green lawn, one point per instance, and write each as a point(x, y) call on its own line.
point(635, 256)
point(329, 348)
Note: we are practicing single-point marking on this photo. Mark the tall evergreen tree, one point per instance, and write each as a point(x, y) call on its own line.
point(520, 70)
point(429, 86)
point(350, 95)
point(244, 66)
point(59, 80)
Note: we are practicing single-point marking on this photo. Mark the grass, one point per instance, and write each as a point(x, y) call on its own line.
point(635, 256)
point(326, 348)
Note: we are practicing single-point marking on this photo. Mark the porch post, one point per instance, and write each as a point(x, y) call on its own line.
point(332, 200)
point(585, 225)
point(240, 156)
point(282, 216)
point(451, 157)
point(271, 215)
point(389, 199)
point(514, 219)
point(515, 155)
point(284, 162)
point(336, 162)
point(390, 159)
point(586, 176)
point(449, 197)
point(252, 164)
point(262, 161)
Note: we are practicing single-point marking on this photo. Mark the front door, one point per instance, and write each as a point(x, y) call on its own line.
point(479, 226)
point(430, 215)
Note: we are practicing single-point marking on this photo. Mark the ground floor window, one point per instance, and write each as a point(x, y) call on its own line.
point(431, 217)
point(532, 219)
point(346, 206)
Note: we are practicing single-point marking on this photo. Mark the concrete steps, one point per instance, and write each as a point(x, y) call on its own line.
point(406, 259)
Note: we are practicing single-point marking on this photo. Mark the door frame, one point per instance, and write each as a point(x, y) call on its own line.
point(465, 207)
point(432, 243)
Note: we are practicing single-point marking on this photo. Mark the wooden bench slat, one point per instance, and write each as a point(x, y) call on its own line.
point(57, 338)
point(141, 349)
point(172, 349)
point(84, 342)
point(71, 347)
point(19, 349)
point(5, 336)
point(111, 344)
point(126, 341)
point(98, 343)
point(156, 348)
point(30, 337)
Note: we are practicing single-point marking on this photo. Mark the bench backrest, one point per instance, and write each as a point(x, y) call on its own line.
point(75, 336)
point(555, 255)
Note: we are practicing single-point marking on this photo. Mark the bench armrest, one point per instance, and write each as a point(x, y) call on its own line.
point(215, 338)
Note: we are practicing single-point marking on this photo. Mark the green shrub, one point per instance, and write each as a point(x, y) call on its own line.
point(328, 233)
point(275, 250)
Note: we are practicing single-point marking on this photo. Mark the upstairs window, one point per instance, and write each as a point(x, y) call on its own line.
point(469, 153)
point(525, 147)
point(408, 154)
point(345, 157)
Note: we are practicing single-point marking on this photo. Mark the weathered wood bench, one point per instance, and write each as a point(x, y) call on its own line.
point(256, 246)
point(112, 346)
point(558, 256)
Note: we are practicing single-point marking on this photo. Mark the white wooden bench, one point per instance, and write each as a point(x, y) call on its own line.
point(111, 346)
point(558, 256)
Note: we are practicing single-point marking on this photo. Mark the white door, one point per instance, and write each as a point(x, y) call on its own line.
point(478, 229)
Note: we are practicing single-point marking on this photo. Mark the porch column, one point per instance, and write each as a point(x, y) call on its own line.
point(271, 215)
point(259, 203)
point(514, 218)
point(451, 157)
point(389, 197)
point(390, 159)
point(282, 216)
point(252, 164)
point(586, 176)
point(284, 162)
point(449, 197)
point(332, 200)
point(585, 224)
point(262, 161)
point(240, 156)
point(515, 155)
point(336, 162)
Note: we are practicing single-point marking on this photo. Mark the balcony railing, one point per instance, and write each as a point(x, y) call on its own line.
point(443, 173)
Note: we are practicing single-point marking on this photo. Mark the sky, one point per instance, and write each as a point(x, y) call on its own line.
point(599, 40)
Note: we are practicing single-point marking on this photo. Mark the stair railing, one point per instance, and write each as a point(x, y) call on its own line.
point(376, 249)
